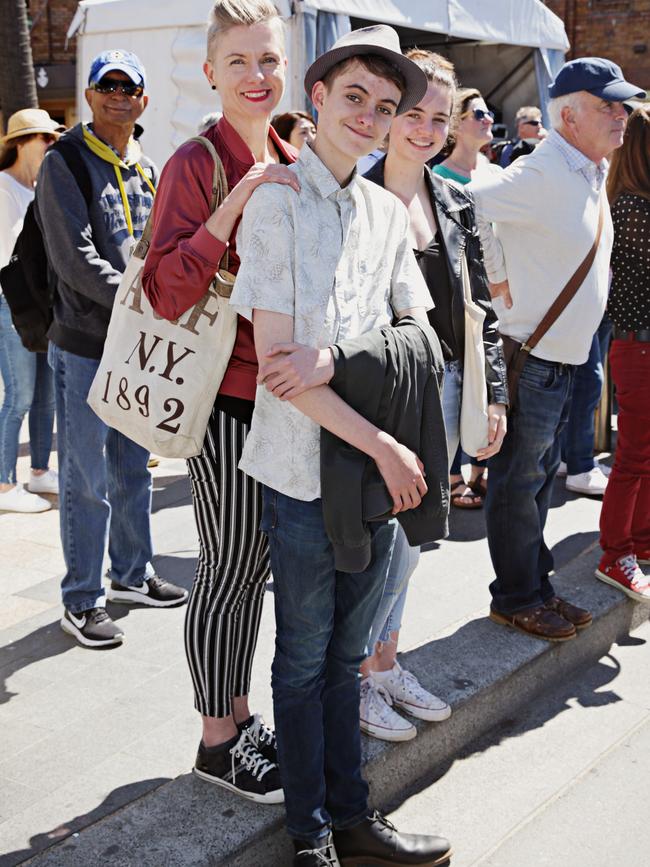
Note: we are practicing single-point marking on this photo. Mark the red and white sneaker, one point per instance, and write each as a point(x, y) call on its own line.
point(643, 557)
point(625, 575)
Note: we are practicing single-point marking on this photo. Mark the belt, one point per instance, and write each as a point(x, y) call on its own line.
point(642, 335)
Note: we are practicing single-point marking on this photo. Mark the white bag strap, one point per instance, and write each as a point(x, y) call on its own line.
point(219, 193)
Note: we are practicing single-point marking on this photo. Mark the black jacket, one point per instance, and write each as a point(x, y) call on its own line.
point(392, 376)
point(455, 216)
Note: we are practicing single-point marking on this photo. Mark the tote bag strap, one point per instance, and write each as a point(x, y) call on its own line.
point(218, 194)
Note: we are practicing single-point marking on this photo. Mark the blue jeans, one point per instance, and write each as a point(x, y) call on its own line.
point(389, 615)
point(452, 390)
point(521, 484)
point(323, 620)
point(578, 435)
point(104, 490)
point(27, 382)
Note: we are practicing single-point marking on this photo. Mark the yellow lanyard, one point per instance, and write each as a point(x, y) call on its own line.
point(106, 153)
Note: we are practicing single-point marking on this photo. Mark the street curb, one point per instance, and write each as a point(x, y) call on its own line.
point(488, 673)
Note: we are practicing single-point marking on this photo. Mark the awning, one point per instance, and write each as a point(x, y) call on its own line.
point(513, 22)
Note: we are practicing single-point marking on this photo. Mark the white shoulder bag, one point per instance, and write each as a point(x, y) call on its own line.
point(157, 380)
point(474, 400)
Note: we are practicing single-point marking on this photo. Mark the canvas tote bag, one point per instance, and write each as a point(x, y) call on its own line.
point(157, 380)
point(474, 400)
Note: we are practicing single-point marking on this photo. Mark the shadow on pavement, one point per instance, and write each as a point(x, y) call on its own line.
point(116, 799)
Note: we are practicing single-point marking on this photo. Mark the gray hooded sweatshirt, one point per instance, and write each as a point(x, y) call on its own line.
point(88, 246)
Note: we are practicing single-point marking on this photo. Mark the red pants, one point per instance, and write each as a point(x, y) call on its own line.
point(625, 518)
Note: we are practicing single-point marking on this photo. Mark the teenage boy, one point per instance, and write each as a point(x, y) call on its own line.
point(328, 263)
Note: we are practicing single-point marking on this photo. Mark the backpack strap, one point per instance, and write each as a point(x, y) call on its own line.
point(76, 166)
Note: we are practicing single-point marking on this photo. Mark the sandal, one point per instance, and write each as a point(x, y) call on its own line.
point(476, 500)
point(479, 485)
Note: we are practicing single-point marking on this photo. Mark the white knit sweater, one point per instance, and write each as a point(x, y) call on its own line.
point(545, 216)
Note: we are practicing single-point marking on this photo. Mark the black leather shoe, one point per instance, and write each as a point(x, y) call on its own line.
point(315, 852)
point(376, 841)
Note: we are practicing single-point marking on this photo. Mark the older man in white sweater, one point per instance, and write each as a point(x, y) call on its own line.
point(538, 219)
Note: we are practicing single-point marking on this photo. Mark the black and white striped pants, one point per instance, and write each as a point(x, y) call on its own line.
point(225, 605)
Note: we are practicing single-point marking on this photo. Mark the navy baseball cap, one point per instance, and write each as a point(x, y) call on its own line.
point(116, 59)
point(596, 75)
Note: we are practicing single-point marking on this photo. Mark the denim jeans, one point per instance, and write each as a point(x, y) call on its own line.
point(521, 484)
point(452, 390)
point(403, 562)
point(578, 435)
point(27, 383)
point(104, 490)
point(323, 620)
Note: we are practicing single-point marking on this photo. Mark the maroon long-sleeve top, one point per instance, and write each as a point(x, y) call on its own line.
point(184, 256)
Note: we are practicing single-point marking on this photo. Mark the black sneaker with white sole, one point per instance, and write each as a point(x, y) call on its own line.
point(154, 591)
point(93, 628)
point(262, 736)
point(239, 766)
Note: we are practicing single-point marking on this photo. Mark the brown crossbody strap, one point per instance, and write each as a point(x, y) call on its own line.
point(569, 290)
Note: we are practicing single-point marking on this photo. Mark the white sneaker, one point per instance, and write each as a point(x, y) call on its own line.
point(45, 483)
point(592, 483)
point(605, 470)
point(378, 717)
point(561, 470)
point(17, 499)
point(408, 694)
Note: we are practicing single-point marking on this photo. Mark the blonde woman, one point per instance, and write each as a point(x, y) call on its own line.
point(246, 64)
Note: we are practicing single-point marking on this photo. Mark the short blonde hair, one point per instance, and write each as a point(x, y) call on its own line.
point(231, 13)
point(527, 111)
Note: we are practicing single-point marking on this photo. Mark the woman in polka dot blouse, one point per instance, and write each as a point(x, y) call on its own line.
point(625, 518)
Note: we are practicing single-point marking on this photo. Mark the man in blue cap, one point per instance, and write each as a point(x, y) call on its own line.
point(540, 220)
point(90, 218)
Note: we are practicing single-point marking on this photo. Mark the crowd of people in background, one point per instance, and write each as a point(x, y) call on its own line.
point(359, 237)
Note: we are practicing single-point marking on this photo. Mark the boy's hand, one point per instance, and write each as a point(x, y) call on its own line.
point(402, 471)
point(289, 369)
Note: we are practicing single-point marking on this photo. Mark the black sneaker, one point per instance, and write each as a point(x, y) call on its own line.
point(262, 736)
point(154, 591)
point(238, 766)
point(93, 627)
point(375, 840)
point(315, 853)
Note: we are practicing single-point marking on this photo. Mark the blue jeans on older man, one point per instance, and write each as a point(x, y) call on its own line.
point(104, 491)
point(521, 484)
point(323, 619)
point(578, 435)
point(27, 383)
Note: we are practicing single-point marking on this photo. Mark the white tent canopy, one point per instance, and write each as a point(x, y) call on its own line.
point(513, 22)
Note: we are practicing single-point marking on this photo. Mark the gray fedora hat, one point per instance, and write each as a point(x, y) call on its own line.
point(378, 39)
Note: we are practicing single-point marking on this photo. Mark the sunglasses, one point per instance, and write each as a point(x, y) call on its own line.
point(532, 122)
point(113, 85)
point(480, 114)
point(48, 138)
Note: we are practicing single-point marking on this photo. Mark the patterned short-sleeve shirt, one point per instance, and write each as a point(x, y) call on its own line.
point(339, 262)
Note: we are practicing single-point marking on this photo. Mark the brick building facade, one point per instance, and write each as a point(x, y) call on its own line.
point(617, 29)
point(54, 60)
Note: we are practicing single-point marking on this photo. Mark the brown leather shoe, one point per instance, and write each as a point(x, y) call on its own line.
point(540, 622)
point(580, 618)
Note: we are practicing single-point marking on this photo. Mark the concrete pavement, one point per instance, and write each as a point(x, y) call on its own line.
point(87, 733)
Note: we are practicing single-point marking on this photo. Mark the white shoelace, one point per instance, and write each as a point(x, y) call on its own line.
point(259, 731)
point(380, 702)
point(323, 855)
point(632, 572)
point(246, 754)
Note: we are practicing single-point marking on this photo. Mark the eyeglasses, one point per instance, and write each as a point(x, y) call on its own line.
point(479, 114)
point(112, 85)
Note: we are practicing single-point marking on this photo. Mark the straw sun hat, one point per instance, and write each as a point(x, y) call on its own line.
point(30, 121)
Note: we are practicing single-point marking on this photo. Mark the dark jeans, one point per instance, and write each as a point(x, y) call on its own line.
point(578, 436)
point(323, 619)
point(521, 483)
